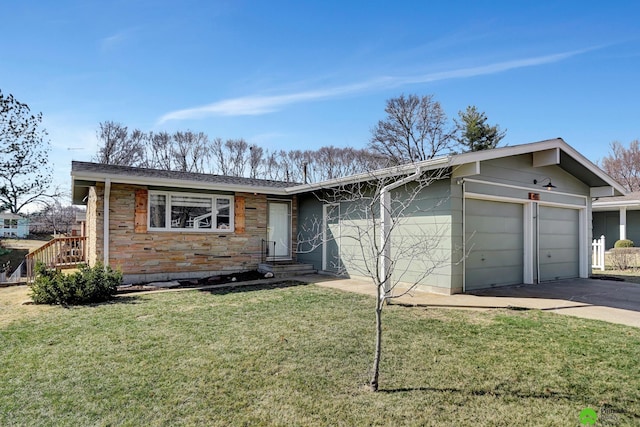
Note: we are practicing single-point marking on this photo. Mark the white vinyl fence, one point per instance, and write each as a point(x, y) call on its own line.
point(597, 250)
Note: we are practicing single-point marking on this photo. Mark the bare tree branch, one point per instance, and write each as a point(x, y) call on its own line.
point(390, 229)
point(623, 164)
point(415, 129)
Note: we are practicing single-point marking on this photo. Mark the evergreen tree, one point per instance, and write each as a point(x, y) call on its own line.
point(474, 134)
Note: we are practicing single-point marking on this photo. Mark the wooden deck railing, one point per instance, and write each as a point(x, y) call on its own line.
point(60, 252)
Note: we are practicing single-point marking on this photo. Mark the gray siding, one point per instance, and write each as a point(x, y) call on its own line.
point(422, 243)
point(309, 249)
point(607, 223)
point(425, 223)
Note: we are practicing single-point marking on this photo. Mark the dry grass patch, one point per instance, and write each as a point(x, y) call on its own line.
point(12, 308)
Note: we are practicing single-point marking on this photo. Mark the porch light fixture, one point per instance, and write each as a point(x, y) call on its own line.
point(549, 186)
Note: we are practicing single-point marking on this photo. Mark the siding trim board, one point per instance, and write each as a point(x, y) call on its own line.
point(529, 189)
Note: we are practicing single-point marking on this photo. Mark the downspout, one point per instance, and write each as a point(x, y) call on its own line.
point(105, 222)
point(385, 228)
point(464, 239)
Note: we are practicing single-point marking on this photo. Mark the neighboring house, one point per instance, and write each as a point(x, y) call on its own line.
point(490, 205)
point(617, 218)
point(13, 225)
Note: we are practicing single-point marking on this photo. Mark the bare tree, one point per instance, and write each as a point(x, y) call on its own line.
point(387, 228)
point(189, 151)
point(160, 151)
point(623, 164)
point(271, 166)
point(238, 156)
point(118, 146)
point(415, 129)
point(255, 160)
point(54, 218)
point(25, 174)
point(331, 162)
point(219, 156)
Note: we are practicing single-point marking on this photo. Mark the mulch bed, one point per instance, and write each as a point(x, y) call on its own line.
point(195, 283)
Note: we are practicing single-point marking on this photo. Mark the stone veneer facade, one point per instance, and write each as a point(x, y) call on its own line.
point(144, 255)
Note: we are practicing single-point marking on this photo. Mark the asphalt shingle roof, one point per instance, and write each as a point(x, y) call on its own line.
point(77, 168)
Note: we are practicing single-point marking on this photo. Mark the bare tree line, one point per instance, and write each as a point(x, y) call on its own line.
point(414, 129)
point(189, 151)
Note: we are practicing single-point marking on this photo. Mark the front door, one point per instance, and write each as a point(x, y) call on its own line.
point(279, 230)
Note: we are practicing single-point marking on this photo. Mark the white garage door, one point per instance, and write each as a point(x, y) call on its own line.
point(559, 256)
point(494, 242)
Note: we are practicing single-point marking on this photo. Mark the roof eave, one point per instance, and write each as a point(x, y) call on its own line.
point(178, 183)
point(436, 163)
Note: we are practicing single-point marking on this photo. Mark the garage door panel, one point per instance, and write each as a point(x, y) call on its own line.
point(492, 277)
point(506, 225)
point(558, 255)
point(495, 259)
point(558, 271)
point(494, 241)
point(559, 243)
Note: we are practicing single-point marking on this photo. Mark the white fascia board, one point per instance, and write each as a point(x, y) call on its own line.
point(548, 145)
point(168, 182)
point(406, 169)
point(593, 168)
point(606, 206)
point(497, 153)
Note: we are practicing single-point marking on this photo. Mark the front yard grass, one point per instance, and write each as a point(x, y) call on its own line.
point(300, 355)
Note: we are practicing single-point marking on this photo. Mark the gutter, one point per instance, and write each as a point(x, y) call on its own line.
point(105, 222)
point(384, 259)
point(368, 176)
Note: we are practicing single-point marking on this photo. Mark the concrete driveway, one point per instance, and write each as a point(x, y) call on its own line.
point(611, 301)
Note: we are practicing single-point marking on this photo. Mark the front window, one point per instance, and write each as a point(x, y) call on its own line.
point(10, 223)
point(193, 212)
point(157, 210)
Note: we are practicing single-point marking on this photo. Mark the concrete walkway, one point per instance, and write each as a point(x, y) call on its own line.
point(611, 301)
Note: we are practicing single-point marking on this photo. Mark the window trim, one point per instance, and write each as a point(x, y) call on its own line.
point(167, 220)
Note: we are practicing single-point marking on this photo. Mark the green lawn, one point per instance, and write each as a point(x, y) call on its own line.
point(300, 356)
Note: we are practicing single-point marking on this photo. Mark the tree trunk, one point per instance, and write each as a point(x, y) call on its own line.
point(373, 385)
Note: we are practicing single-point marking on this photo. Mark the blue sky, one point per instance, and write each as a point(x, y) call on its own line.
point(302, 74)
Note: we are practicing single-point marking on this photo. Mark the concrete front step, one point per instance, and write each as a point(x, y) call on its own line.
point(286, 269)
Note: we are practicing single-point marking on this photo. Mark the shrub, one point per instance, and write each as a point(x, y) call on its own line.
point(89, 285)
point(622, 258)
point(625, 243)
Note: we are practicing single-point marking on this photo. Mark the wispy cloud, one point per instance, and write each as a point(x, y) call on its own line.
point(114, 40)
point(260, 104)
